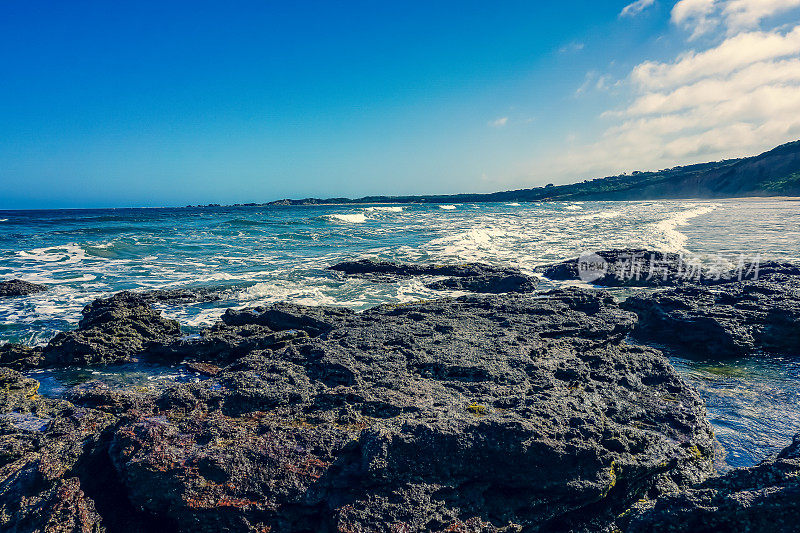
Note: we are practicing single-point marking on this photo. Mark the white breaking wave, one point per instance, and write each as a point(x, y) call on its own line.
point(387, 209)
point(3, 220)
point(666, 235)
point(67, 254)
point(573, 207)
point(354, 218)
point(601, 215)
point(513, 204)
point(448, 207)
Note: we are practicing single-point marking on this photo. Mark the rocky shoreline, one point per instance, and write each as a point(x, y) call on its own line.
point(501, 410)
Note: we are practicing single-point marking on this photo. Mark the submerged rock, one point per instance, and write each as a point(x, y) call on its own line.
point(478, 412)
point(728, 320)
point(471, 277)
point(765, 497)
point(118, 329)
point(17, 287)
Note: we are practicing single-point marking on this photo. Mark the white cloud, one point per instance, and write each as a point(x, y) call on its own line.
point(499, 123)
point(702, 16)
point(631, 10)
point(736, 97)
point(572, 47)
point(733, 53)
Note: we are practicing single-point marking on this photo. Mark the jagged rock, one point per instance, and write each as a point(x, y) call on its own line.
point(20, 357)
point(17, 287)
point(471, 277)
point(479, 412)
point(113, 330)
point(728, 320)
point(765, 497)
point(43, 445)
point(182, 296)
point(488, 284)
point(366, 267)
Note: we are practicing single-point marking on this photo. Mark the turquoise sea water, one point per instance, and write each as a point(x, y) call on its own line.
point(265, 254)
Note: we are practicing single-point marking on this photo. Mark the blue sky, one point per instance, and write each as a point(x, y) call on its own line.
point(174, 103)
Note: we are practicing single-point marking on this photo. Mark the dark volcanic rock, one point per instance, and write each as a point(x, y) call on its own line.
point(370, 267)
point(728, 320)
point(20, 357)
point(620, 268)
point(113, 330)
point(765, 497)
point(43, 446)
point(17, 287)
point(488, 283)
point(472, 277)
point(475, 413)
point(182, 296)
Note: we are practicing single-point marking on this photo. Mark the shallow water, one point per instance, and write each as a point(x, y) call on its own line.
point(266, 254)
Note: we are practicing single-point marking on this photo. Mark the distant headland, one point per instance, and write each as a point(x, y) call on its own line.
point(773, 173)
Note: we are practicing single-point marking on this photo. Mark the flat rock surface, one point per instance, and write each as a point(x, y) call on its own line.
point(17, 287)
point(726, 320)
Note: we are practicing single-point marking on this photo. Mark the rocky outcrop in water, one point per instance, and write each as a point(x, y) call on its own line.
point(469, 277)
point(17, 287)
point(482, 413)
point(765, 497)
point(118, 329)
point(728, 320)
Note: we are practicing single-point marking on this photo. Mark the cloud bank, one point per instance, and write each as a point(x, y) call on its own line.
point(738, 95)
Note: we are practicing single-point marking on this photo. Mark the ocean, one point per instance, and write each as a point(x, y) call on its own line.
point(263, 254)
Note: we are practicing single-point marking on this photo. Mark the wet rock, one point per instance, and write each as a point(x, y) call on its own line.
point(368, 267)
point(17, 287)
point(765, 497)
point(43, 444)
point(482, 412)
point(470, 277)
point(727, 320)
point(20, 357)
point(182, 296)
point(488, 284)
point(204, 369)
point(118, 329)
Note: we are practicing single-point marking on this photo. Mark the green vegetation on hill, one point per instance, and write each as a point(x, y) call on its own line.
point(773, 173)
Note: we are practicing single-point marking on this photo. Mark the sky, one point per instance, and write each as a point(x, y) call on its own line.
point(114, 104)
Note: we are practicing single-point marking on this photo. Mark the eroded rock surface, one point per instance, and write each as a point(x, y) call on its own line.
point(18, 287)
point(499, 412)
point(765, 497)
point(470, 277)
point(118, 329)
point(43, 446)
point(727, 320)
